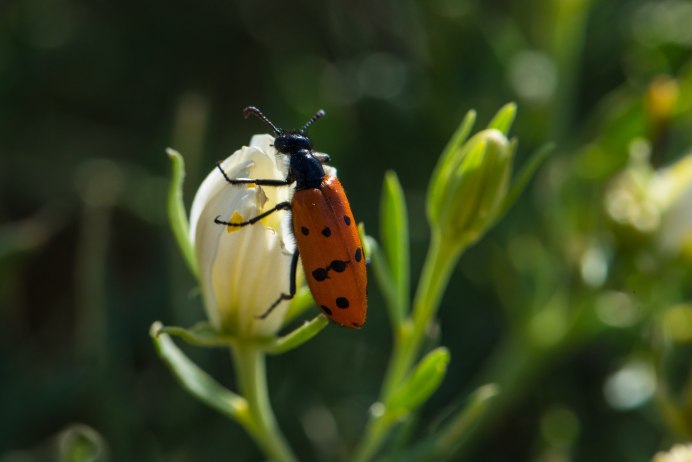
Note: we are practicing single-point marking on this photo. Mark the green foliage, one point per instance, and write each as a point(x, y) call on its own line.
point(394, 268)
point(422, 383)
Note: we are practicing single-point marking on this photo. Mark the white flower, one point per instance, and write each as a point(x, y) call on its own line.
point(679, 453)
point(655, 201)
point(672, 186)
point(242, 271)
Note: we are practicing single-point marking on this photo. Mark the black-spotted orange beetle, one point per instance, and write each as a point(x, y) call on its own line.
point(326, 235)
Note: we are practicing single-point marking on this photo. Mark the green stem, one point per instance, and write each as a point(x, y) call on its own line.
point(438, 267)
point(249, 364)
point(437, 270)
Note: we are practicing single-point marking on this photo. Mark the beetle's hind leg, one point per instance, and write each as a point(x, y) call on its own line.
point(291, 291)
point(280, 206)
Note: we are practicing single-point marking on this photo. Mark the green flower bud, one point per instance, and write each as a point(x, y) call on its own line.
point(471, 182)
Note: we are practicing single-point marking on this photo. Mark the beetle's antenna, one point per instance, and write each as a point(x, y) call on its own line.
point(318, 115)
point(257, 113)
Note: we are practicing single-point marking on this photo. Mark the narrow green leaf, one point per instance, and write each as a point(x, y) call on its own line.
point(298, 336)
point(385, 281)
point(395, 239)
point(459, 427)
point(197, 382)
point(421, 384)
point(525, 174)
point(364, 239)
point(442, 443)
point(177, 216)
point(504, 118)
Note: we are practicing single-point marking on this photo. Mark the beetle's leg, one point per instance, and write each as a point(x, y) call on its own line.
point(257, 181)
point(292, 288)
point(280, 206)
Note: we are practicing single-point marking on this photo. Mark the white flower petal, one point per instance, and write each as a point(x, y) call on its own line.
point(244, 271)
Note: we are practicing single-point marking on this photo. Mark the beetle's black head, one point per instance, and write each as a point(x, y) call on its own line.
point(287, 141)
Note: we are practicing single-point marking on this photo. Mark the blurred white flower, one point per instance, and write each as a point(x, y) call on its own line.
point(630, 386)
point(655, 201)
point(679, 453)
point(672, 189)
point(243, 271)
point(628, 200)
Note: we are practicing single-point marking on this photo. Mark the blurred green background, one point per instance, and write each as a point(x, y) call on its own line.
point(91, 94)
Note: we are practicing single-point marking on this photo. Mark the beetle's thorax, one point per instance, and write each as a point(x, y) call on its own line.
point(305, 169)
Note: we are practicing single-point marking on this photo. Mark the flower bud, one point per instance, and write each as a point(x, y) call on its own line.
point(469, 186)
point(243, 270)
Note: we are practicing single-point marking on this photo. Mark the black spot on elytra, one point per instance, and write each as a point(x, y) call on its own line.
point(342, 302)
point(326, 310)
point(355, 324)
point(320, 274)
point(304, 230)
point(359, 254)
point(326, 232)
point(338, 265)
point(347, 220)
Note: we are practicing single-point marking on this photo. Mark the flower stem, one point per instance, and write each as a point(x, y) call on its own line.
point(438, 267)
point(250, 368)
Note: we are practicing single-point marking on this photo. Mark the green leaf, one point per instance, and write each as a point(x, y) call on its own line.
point(298, 336)
point(197, 382)
point(385, 281)
point(421, 384)
point(459, 427)
point(177, 215)
point(395, 239)
point(442, 442)
point(504, 118)
point(365, 241)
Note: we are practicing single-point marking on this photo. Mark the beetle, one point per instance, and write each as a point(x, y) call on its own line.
point(327, 240)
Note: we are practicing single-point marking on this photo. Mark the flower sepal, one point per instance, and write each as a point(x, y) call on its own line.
point(205, 335)
point(196, 381)
point(177, 215)
point(200, 334)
